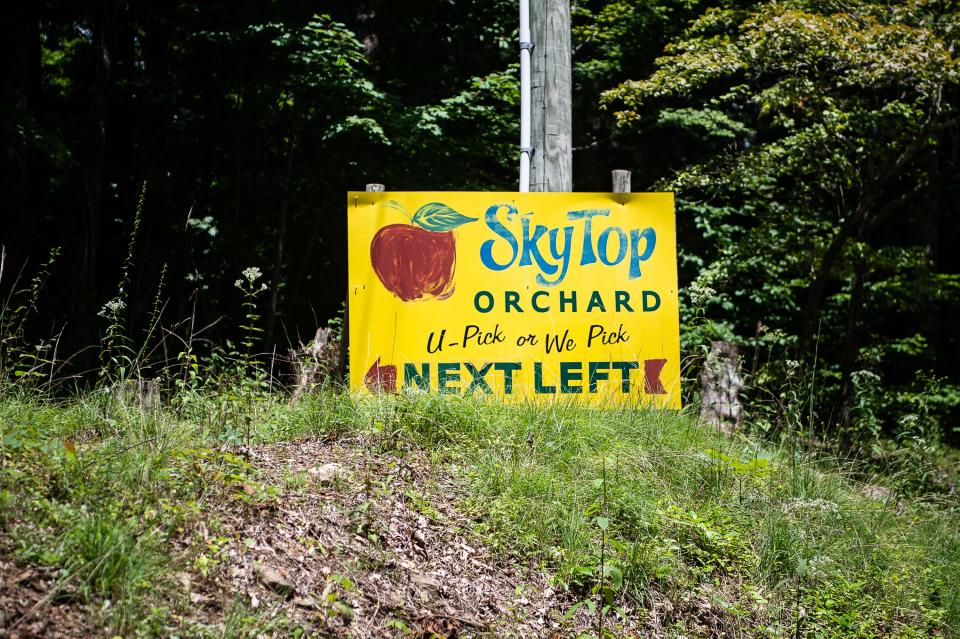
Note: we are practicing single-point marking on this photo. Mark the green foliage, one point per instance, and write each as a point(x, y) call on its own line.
point(807, 204)
point(109, 559)
point(249, 122)
point(840, 607)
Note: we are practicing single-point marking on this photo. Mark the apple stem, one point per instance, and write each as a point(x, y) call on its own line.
point(393, 204)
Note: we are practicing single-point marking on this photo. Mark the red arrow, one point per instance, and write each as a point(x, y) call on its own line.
point(381, 379)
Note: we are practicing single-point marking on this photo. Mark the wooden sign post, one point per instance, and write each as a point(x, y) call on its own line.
point(551, 165)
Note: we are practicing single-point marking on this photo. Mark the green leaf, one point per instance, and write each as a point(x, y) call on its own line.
point(614, 575)
point(608, 595)
point(602, 522)
point(573, 610)
point(439, 217)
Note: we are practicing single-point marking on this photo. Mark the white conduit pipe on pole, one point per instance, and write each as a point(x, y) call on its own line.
point(525, 48)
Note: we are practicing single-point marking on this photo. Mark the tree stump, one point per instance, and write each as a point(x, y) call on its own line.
point(315, 363)
point(142, 393)
point(720, 384)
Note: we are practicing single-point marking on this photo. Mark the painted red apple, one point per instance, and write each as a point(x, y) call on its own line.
point(416, 261)
point(413, 263)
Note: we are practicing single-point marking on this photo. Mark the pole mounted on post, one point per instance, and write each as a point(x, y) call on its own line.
point(552, 163)
point(621, 181)
point(526, 47)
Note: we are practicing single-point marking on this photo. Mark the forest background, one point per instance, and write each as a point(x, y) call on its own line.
point(152, 152)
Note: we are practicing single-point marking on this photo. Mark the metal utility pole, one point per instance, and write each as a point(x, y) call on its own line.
point(551, 164)
point(526, 46)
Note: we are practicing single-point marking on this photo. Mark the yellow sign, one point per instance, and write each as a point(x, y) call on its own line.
point(523, 296)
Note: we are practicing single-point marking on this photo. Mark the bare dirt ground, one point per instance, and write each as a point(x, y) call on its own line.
point(354, 546)
point(32, 604)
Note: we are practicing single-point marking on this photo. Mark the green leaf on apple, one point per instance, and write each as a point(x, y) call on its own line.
point(439, 217)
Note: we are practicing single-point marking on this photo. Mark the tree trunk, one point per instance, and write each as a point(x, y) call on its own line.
point(872, 191)
point(851, 347)
point(811, 310)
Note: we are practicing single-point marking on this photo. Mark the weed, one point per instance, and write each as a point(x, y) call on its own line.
point(117, 355)
point(22, 363)
point(333, 598)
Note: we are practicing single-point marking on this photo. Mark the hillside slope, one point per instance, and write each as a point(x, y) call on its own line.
point(421, 516)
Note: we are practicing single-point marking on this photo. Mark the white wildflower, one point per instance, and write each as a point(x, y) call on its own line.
point(700, 293)
point(864, 378)
point(907, 421)
point(810, 505)
point(820, 565)
point(112, 308)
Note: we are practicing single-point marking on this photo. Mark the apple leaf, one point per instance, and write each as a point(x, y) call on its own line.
point(439, 217)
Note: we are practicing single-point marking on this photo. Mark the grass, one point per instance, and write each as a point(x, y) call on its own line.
point(643, 515)
point(690, 512)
